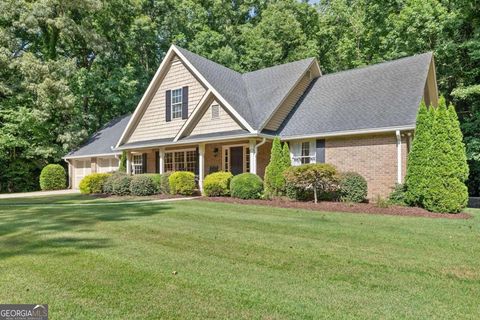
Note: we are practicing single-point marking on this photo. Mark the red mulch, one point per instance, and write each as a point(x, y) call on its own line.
point(369, 208)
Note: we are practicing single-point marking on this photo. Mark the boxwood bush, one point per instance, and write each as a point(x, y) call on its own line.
point(246, 186)
point(93, 183)
point(142, 185)
point(121, 185)
point(217, 184)
point(156, 180)
point(53, 177)
point(182, 182)
point(352, 187)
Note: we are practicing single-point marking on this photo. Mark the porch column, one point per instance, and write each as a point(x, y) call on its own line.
point(161, 161)
point(253, 156)
point(129, 162)
point(201, 164)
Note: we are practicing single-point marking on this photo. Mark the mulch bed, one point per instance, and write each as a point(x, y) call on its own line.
point(369, 208)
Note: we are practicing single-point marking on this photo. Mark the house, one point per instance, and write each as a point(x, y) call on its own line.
point(200, 116)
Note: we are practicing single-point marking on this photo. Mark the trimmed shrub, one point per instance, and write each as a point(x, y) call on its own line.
point(321, 178)
point(352, 187)
point(142, 185)
point(121, 185)
point(298, 194)
point(217, 184)
point(156, 180)
point(108, 184)
point(53, 177)
point(246, 186)
point(397, 196)
point(165, 183)
point(274, 179)
point(93, 183)
point(182, 182)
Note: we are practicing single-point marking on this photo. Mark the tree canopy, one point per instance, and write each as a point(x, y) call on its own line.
point(68, 67)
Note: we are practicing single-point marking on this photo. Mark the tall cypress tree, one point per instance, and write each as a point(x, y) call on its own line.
point(416, 179)
point(274, 179)
point(458, 147)
point(445, 192)
point(286, 156)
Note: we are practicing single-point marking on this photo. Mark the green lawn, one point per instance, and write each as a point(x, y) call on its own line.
point(116, 261)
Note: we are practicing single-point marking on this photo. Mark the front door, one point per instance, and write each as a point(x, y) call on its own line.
point(236, 160)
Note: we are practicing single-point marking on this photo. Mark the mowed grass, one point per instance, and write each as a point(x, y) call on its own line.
point(116, 262)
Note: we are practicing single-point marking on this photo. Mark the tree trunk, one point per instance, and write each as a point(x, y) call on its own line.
point(315, 194)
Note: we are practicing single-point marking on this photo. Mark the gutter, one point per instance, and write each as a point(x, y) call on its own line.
point(349, 132)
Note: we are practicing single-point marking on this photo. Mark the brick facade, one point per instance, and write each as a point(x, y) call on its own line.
point(372, 156)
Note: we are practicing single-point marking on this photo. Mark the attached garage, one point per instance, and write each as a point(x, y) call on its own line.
point(97, 154)
point(80, 169)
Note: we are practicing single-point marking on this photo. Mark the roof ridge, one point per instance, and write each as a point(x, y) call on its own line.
point(378, 64)
point(278, 65)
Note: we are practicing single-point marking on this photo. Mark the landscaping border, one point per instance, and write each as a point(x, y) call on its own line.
point(366, 208)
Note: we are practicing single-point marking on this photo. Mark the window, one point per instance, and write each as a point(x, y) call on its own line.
point(215, 111)
point(191, 160)
point(137, 164)
point(181, 160)
point(168, 161)
point(247, 159)
point(305, 153)
point(177, 103)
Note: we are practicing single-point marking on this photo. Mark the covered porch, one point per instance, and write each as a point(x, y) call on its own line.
point(236, 156)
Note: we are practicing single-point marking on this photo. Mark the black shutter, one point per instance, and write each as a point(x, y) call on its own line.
point(144, 163)
point(184, 102)
point(168, 105)
point(157, 161)
point(320, 151)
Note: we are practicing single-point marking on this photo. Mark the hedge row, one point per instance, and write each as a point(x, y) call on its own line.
point(301, 184)
point(121, 184)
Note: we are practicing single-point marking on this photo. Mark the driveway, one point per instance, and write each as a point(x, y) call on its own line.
point(37, 194)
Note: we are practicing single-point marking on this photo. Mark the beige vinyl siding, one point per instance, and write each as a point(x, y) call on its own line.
point(152, 124)
point(288, 103)
point(223, 123)
point(430, 91)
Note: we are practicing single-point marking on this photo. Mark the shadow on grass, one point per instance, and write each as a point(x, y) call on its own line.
point(41, 230)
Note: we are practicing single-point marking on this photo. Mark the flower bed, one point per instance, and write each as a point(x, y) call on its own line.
point(367, 208)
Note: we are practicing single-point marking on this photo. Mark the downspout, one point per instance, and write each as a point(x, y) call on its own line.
point(69, 173)
point(399, 156)
point(260, 144)
point(253, 160)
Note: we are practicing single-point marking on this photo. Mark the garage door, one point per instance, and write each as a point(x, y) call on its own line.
point(82, 168)
point(107, 164)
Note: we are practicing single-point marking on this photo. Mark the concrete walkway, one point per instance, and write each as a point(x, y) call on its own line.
point(37, 194)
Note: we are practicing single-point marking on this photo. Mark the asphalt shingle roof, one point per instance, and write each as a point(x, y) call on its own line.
point(378, 96)
point(103, 140)
point(254, 95)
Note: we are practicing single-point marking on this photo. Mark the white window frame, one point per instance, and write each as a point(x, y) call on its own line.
point(296, 152)
point(215, 115)
point(176, 103)
point(174, 163)
point(137, 165)
point(226, 156)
